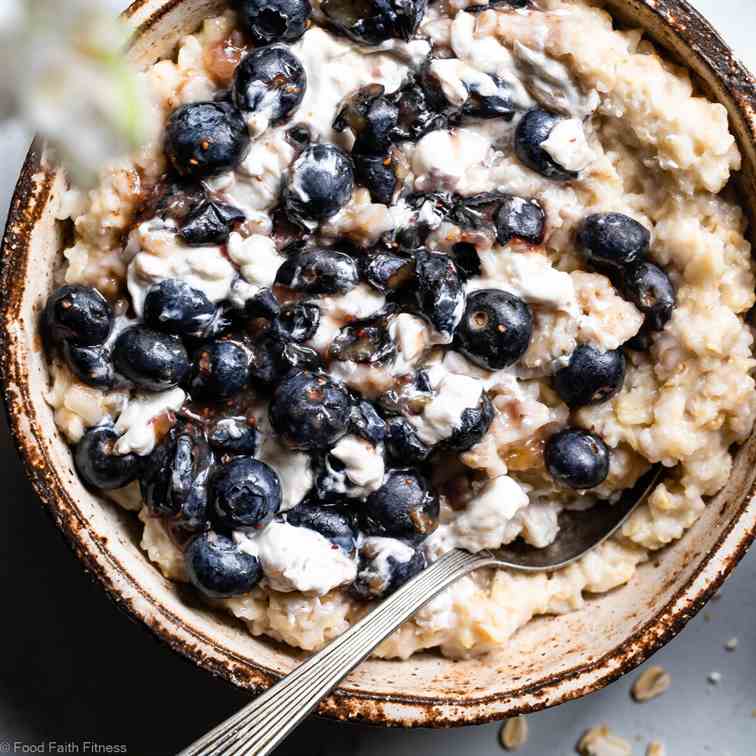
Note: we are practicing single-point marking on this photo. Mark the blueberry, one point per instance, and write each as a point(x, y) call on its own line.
point(532, 131)
point(320, 183)
point(206, 138)
point(440, 293)
point(368, 343)
point(419, 112)
point(219, 568)
point(478, 210)
point(366, 422)
point(175, 478)
point(244, 493)
point(233, 436)
point(577, 459)
point(220, 370)
point(98, 466)
point(270, 81)
point(382, 571)
point(174, 307)
point(371, 22)
point(262, 305)
point(175, 199)
point(496, 329)
point(310, 411)
point(613, 239)
point(78, 314)
point(274, 20)
point(497, 105)
point(522, 219)
point(372, 118)
point(328, 521)
point(466, 258)
point(298, 321)
point(92, 365)
point(387, 271)
point(151, 360)
point(475, 422)
point(272, 358)
point(590, 377)
point(377, 175)
point(403, 444)
point(210, 223)
point(650, 289)
point(319, 271)
point(403, 507)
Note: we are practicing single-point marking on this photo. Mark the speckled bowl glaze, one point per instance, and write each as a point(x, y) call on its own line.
point(553, 659)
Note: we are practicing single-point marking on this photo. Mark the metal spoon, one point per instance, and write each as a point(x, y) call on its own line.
point(261, 725)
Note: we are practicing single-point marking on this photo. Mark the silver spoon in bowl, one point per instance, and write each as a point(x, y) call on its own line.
point(261, 725)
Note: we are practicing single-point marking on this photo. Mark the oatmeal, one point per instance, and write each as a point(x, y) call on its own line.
point(394, 285)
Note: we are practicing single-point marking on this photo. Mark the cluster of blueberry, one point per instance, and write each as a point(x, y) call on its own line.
point(203, 477)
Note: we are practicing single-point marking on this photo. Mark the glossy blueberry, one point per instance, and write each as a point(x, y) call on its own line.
point(387, 271)
point(366, 422)
point(419, 112)
point(244, 493)
point(270, 21)
point(79, 314)
point(382, 571)
point(368, 343)
point(310, 411)
point(497, 105)
point(206, 138)
point(496, 329)
point(92, 365)
point(151, 360)
point(298, 321)
point(210, 223)
point(590, 377)
point(372, 118)
point(219, 568)
point(262, 305)
point(97, 463)
point(328, 521)
point(478, 210)
point(320, 183)
point(220, 370)
point(175, 199)
point(371, 22)
point(650, 289)
point(233, 436)
point(271, 358)
point(319, 271)
point(403, 507)
point(270, 81)
point(377, 175)
point(613, 239)
point(532, 131)
point(174, 307)
point(475, 422)
point(577, 459)
point(522, 219)
point(403, 444)
point(174, 481)
point(440, 291)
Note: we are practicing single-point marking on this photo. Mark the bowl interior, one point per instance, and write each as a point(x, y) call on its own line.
point(550, 660)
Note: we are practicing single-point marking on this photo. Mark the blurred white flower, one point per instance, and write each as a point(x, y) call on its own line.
point(65, 75)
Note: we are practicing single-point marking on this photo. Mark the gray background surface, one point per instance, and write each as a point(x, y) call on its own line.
point(74, 670)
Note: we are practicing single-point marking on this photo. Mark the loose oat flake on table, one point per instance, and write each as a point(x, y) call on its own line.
point(514, 733)
point(601, 741)
point(392, 285)
point(650, 684)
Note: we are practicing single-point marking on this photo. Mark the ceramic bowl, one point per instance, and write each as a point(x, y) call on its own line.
point(553, 659)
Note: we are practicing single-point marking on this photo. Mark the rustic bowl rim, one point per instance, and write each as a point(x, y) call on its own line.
point(29, 199)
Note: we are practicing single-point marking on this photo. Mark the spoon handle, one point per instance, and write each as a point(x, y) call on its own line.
point(261, 725)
